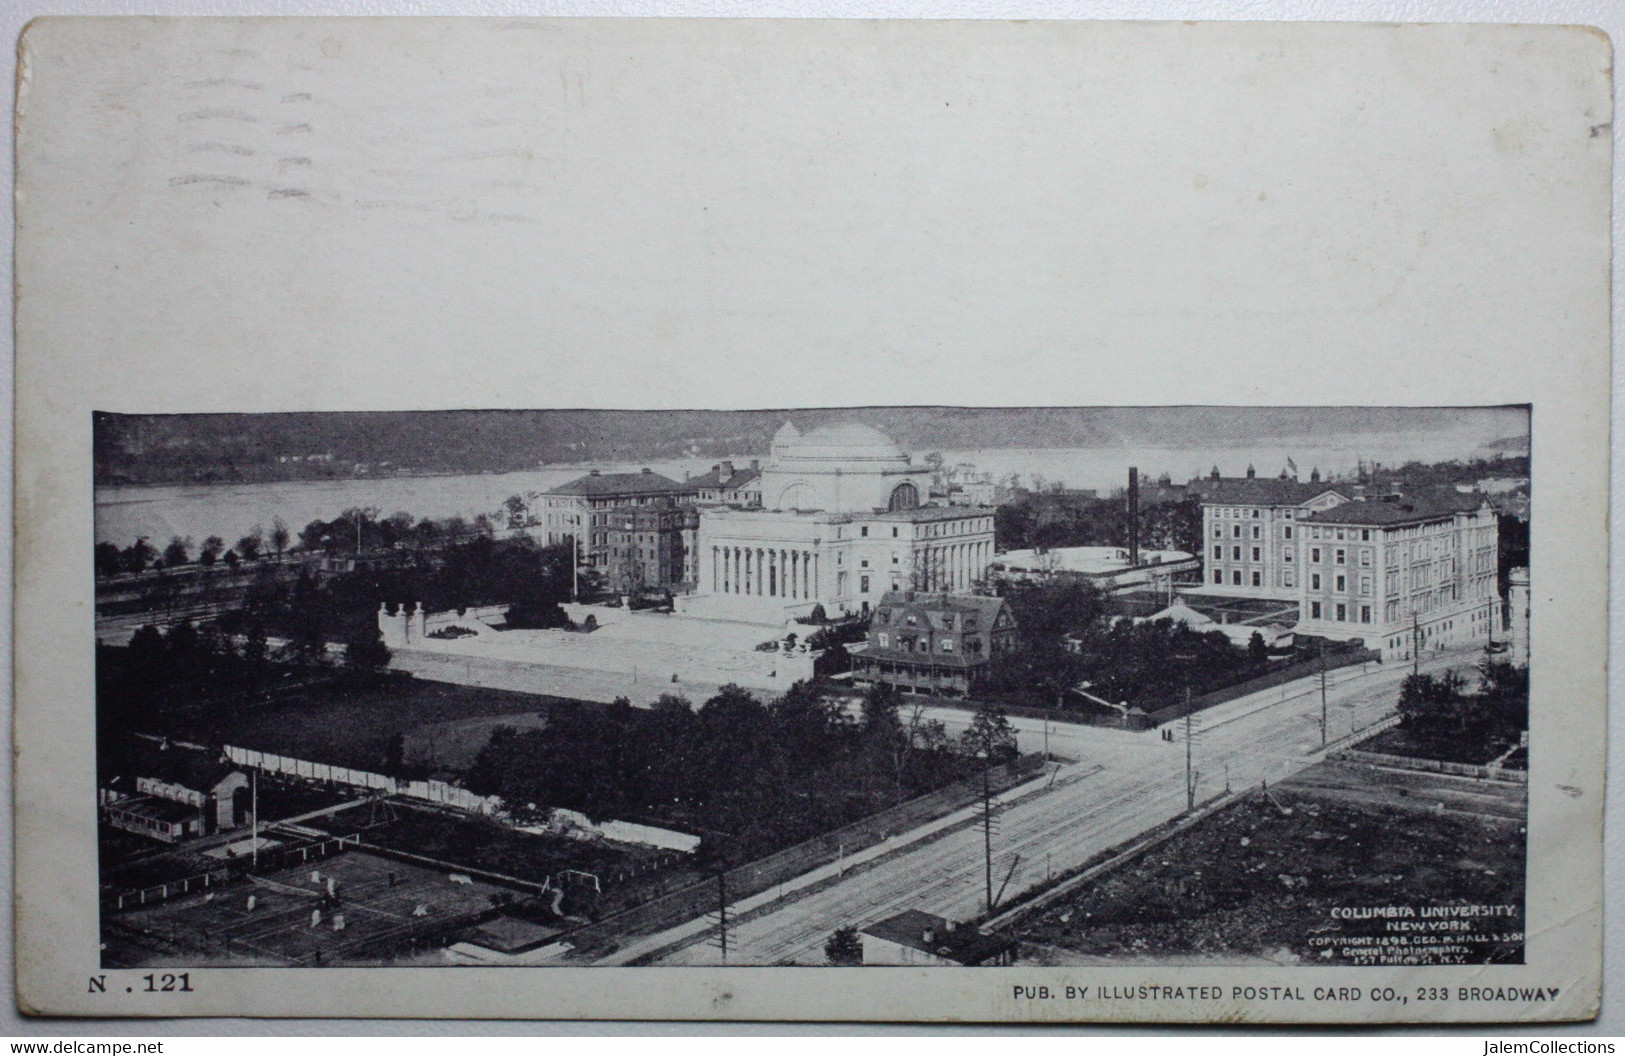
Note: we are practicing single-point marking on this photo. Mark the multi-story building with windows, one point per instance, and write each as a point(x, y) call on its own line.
point(729, 485)
point(1402, 573)
point(651, 547)
point(933, 643)
point(581, 511)
point(1251, 530)
point(843, 524)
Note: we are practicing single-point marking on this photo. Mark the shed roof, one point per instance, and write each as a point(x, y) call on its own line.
point(187, 767)
point(962, 943)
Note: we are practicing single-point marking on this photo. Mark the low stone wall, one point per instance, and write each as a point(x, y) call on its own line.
point(1435, 766)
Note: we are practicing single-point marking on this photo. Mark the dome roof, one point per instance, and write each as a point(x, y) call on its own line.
point(844, 441)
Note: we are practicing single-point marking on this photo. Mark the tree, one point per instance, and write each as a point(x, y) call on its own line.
point(176, 553)
point(108, 560)
point(880, 721)
point(990, 735)
point(364, 648)
point(395, 753)
point(279, 537)
point(844, 948)
point(212, 546)
point(516, 512)
point(250, 545)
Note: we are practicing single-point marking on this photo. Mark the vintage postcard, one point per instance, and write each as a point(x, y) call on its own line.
point(646, 519)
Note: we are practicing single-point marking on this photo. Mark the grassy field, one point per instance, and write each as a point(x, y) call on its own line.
point(356, 726)
point(1473, 751)
point(1262, 879)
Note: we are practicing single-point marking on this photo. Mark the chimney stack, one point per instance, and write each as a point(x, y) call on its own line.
point(1133, 516)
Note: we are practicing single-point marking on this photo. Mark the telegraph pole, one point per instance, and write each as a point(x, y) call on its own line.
point(1416, 644)
point(1323, 692)
point(722, 913)
point(987, 830)
point(1190, 777)
point(1190, 773)
point(254, 830)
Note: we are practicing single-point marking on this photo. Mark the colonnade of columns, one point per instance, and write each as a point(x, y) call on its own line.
point(767, 572)
point(956, 566)
point(792, 574)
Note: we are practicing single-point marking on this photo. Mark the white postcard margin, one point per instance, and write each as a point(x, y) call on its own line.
point(1517, 314)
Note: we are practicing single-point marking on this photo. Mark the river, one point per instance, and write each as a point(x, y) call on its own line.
point(126, 513)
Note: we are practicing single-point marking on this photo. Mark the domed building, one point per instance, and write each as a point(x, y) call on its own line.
point(844, 521)
point(844, 467)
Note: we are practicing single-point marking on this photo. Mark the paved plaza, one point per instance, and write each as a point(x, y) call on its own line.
point(638, 655)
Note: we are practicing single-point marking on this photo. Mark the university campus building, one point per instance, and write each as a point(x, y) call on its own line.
point(1404, 573)
point(842, 524)
point(650, 547)
point(1250, 532)
point(933, 643)
point(1401, 573)
point(729, 485)
point(582, 512)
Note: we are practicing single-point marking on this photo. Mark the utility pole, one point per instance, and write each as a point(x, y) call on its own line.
point(987, 829)
point(1190, 777)
point(722, 912)
point(254, 830)
point(1187, 659)
point(1416, 644)
point(1323, 692)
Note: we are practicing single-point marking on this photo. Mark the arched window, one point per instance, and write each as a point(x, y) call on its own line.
point(904, 497)
point(797, 496)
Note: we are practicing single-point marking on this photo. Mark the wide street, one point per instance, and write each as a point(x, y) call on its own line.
point(1120, 785)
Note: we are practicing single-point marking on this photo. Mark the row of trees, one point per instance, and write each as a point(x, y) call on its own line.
point(1067, 637)
point(306, 607)
point(141, 555)
point(355, 531)
point(755, 775)
point(165, 681)
point(1442, 718)
point(1046, 520)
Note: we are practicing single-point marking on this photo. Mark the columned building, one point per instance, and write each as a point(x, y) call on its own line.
point(842, 526)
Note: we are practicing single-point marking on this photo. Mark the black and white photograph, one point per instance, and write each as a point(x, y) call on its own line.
point(736, 519)
point(1168, 686)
